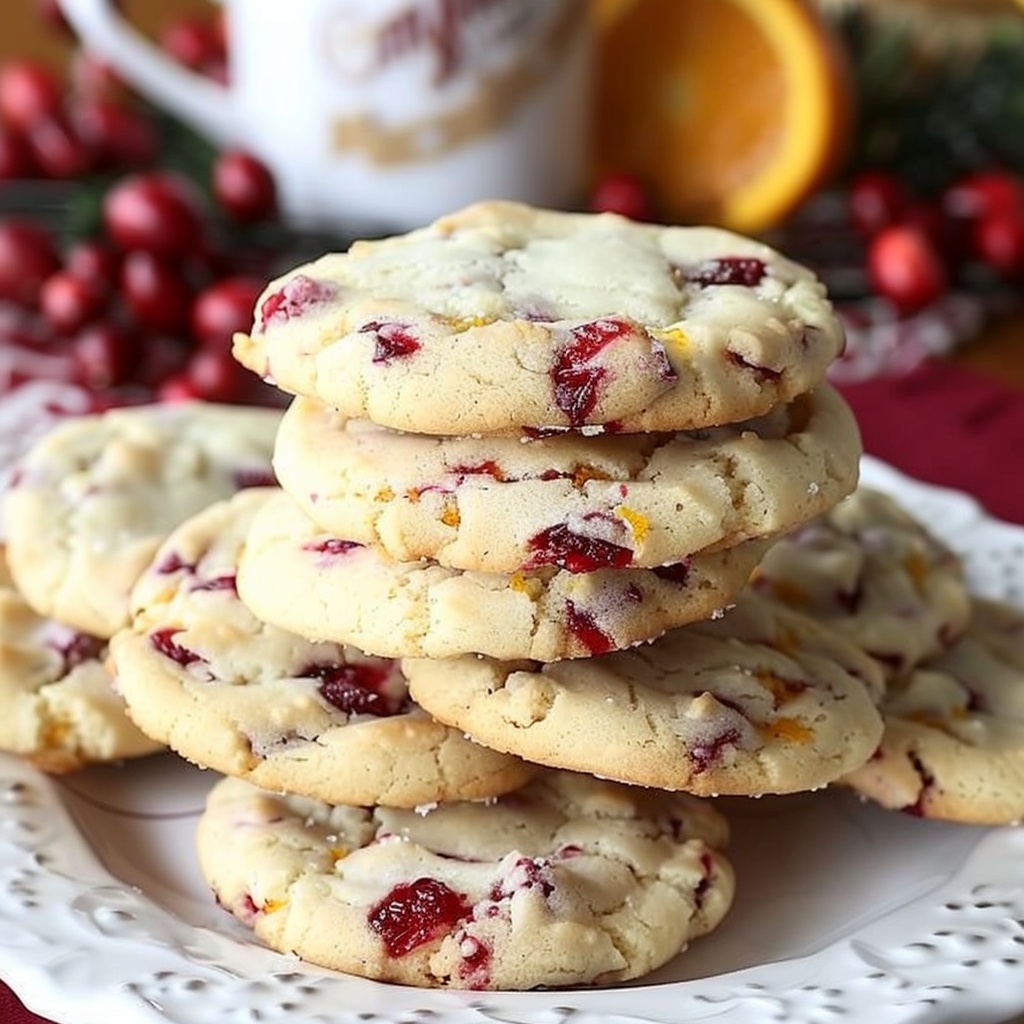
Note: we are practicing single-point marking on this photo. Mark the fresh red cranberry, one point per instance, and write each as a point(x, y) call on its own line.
point(574, 552)
point(742, 270)
point(118, 136)
point(391, 341)
point(68, 302)
point(216, 377)
point(904, 267)
point(583, 626)
point(177, 388)
point(16, 160)
point(155, 211)
point(105, 355)
point(623, 194)
point(577, 385)
point(191, 41)
point(29, 92)
point(95, 263)
point(155, 292)
point(875, 200)
point(94, 79)
point(298, 294)
point(983, 194)
point(57, 148)
point(244, 187)
point(413, 913)
point(998, 240)
point(223, 308)
point(161, 358)
point(356, 689)
point(28, 256)
point(946, 233)
point(23, 328)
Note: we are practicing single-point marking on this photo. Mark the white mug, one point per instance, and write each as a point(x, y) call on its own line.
point(384, 114)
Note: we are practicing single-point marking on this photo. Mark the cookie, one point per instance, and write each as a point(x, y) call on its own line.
point(60, 709)
point(506, 503)
point(93, 498)
point(502, 316)
point(759, 700)
point(872, 571)
point(568, 881)
point(313, 583)
point(953, 746)
point(202, 674)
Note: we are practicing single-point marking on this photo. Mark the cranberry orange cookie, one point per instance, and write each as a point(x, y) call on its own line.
point(568, 881)
point(502, 316)
point(506, 503)
point(95, 496)
point(953, 746)
point(760, 700)
point(60, 710)
point(226, 691)
point(873, 572)
point(315, 584)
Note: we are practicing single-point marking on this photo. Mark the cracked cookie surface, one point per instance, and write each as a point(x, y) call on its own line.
point(506, 503)
point(60, 708)
point(94, 497)
point(316, 584)
point(566, 881)
point(758, 700)
point(953, 746)
point(870, 570)
point(502, 316)
point(201, 673)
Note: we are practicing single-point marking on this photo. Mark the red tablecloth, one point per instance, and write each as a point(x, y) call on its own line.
point(939, 423)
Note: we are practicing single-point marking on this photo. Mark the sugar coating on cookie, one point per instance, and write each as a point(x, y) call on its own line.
point(501, 316)
point(60, 708)
point(758, 700)
point(94, 497)
point(506, 503)
point(567, 881)
point(201, 673)
point(316, 584)
point(953, 746)
point(875, 573)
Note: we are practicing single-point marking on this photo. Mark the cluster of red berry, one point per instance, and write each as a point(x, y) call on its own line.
point(147, 307)
point(917, 248)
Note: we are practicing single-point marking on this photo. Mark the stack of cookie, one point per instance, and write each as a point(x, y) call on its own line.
point(532, 455)
point(87, 506)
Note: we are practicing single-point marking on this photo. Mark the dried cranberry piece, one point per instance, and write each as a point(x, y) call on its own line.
point(163, 641)
point(245, 478)
point(745, 270)
point(392, 341)
point(574, 552)
point(331, 546)
point(675, 572)
point(416, 912)
point(486, 468)
point(298, 295)
point(582, 625)
point(763, 373)
point(577, 384)
point(475, 968)
point(704, 755)
point(173, 562)
point(81, 647)
point(355, 689)
point(227, 582)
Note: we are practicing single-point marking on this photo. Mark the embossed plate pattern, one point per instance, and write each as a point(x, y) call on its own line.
point(845, 913)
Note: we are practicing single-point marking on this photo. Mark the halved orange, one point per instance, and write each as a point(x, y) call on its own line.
point(730, 111)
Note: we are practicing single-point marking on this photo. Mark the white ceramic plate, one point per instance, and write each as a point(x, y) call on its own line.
point(845, 913)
